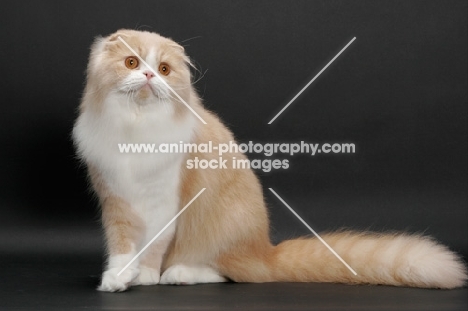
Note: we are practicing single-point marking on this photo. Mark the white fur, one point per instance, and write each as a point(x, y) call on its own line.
point(189, 275)
point(111, 281)
point(147, 276)
point(148, 182)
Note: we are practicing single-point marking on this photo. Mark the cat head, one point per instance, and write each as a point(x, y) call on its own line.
point(115, 70)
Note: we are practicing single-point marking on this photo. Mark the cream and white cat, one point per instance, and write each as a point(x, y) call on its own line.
point(224, 234)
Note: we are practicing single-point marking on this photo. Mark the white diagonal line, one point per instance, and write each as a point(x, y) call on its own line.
point(310, 82)
point(315, 233)
point(162, 230)
point(161, 79)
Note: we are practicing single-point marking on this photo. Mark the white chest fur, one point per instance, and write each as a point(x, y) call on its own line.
point(148, 182)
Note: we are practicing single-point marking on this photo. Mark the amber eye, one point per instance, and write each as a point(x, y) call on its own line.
point(164, 69)
point(131, 62)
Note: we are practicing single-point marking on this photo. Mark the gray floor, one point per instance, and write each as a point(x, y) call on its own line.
point(67, 282)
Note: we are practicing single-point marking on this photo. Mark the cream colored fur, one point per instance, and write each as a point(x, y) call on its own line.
point(224, 234)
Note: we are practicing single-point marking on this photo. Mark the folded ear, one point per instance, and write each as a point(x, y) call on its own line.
point(181, 49)
point(177, 46)
point(119, 33)
point(102, 43)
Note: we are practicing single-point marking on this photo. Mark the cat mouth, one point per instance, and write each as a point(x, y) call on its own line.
point(145, 93)
point(147, 90)
point(147, 86)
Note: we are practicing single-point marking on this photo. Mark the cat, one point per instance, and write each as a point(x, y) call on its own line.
point(224, 234)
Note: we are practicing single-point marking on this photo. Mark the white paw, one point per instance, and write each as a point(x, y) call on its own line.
point(148, 276)
point(111, 282)
point(186, 275)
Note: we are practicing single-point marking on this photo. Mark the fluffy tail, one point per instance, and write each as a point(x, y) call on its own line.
point(389, 259)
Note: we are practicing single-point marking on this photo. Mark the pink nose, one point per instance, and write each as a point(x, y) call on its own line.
point(149, 74)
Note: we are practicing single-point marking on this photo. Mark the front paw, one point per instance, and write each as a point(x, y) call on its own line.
point(147, 276)
point(112, 282)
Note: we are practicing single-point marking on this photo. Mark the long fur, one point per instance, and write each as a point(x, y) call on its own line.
point(224, 234)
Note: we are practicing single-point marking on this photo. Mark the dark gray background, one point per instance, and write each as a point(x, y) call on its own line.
point(399, 92)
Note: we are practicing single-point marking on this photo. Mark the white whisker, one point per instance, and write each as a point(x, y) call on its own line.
point(201, 77)
point(196, 37)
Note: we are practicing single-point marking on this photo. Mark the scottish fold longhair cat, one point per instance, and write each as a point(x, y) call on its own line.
point(224, 234)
